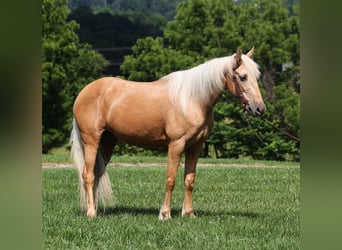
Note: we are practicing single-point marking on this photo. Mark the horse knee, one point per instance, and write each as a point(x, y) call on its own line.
point(170, 183)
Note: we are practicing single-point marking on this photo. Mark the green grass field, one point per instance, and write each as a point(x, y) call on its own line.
point(236, 208)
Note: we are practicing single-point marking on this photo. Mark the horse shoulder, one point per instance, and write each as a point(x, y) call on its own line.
point(195, 127)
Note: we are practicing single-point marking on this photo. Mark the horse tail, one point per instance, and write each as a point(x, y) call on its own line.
point(103, 188)
point(102, 185)
point(77, 155)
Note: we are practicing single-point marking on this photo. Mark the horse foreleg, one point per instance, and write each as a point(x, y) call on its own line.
point(88, 175)
point(175, 151)
point(191, 157)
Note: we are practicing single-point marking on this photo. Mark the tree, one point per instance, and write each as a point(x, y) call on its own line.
point(66, 67)
point(164, 7)
point(150, 60)
point(188, 33)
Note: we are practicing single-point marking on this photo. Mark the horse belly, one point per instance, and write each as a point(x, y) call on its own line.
point(140, 136)
point(138, 128)
point(144, 141)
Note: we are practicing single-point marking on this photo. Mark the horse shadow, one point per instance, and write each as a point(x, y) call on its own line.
point(120, 210)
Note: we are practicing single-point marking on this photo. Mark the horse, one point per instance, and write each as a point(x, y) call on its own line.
point(175, 111)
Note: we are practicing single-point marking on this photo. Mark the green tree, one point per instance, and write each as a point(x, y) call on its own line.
point(150, 60)
point(66, 67)
point(224, 39)
point(188, 33)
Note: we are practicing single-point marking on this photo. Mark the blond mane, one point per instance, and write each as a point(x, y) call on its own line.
point(203, 82)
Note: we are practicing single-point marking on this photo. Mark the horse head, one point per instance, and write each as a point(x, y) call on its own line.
point(243, 83)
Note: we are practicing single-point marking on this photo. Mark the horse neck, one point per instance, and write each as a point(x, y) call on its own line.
point(202, 85)
point(214, 72)
point(214, 99)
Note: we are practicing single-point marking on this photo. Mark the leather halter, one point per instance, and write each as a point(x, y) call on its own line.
point(234, 86)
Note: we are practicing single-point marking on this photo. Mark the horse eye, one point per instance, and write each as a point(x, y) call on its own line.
point(243, 78)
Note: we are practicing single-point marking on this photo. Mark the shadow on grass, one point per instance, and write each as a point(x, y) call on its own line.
point(120, 210)
point(206, 213)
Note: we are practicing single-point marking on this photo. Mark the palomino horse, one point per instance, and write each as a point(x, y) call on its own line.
point(175, 111)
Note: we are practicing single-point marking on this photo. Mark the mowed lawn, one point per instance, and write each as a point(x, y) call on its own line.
point(237, 208)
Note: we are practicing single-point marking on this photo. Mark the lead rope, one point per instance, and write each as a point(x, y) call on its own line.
point(295, 138)
point(255, 132)
point(292, 137)
point(278, 129)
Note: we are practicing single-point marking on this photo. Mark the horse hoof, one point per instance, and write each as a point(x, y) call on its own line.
point(191, 215)
point(164, 215)
point(161, 218)
point(188, 213)
point(91, 213)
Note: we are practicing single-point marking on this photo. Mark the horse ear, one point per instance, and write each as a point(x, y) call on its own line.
point(237, 61)
point(250, 53)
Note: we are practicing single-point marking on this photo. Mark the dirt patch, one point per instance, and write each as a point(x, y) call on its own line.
point(153, 164)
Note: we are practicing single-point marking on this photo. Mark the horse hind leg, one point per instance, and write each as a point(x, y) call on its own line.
point(95, 179)
point(103, 189)
point(88, 175)
point(83, 151)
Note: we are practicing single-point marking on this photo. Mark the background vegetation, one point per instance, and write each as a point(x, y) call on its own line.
point(163, 42)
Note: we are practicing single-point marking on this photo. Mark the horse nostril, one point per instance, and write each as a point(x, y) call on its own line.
point(259, 111)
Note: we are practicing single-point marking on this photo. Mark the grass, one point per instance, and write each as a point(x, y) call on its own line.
point(236, 208)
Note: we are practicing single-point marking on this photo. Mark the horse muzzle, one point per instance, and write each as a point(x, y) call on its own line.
point(254, 109)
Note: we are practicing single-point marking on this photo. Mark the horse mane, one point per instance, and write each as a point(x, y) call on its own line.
point(203, 82)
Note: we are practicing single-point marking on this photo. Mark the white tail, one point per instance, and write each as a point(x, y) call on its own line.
point(102, 188)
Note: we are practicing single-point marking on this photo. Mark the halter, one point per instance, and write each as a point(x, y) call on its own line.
point(234, 86)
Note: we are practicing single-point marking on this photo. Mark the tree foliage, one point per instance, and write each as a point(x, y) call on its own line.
point(164, 7)
point(203, 30)
point(107, 30)
point(150, 60)
point(67, 66)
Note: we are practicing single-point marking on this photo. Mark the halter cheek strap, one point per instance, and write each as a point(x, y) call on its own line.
point(234, 87)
